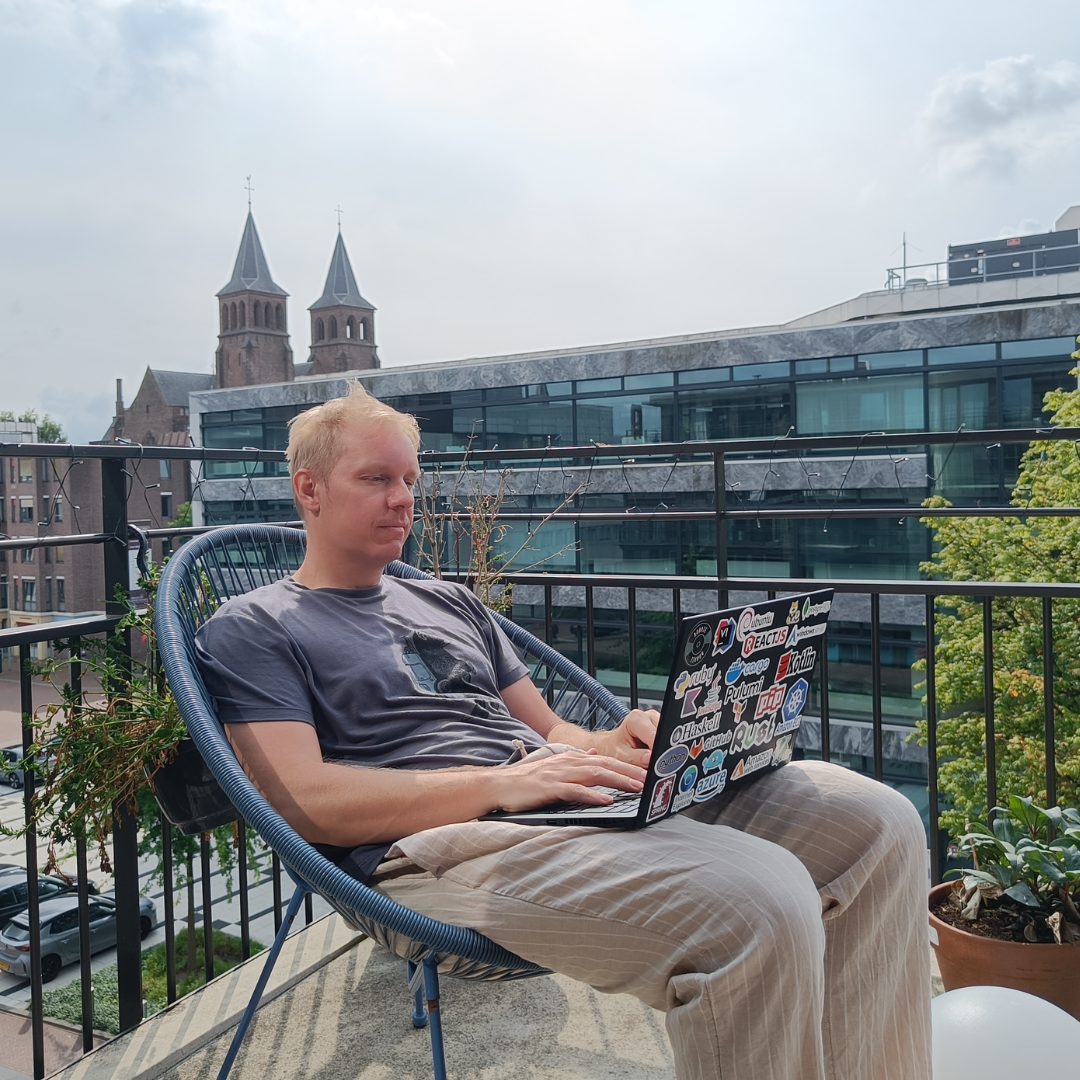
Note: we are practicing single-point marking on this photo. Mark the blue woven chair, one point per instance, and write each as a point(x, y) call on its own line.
point(234, 560)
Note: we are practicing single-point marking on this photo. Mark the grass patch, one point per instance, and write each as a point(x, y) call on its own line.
point(65, 1002)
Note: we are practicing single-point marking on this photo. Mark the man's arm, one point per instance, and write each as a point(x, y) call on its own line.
point(330, 803)
point(631, 741)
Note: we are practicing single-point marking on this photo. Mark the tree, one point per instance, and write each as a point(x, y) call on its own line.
point(49, 430)
point(1010, 549)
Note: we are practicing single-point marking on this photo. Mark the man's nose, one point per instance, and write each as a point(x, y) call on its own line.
point(401, 495)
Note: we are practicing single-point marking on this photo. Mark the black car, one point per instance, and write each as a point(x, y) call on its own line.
point(14, 895)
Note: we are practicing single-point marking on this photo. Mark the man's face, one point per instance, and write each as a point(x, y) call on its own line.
point(366, 503)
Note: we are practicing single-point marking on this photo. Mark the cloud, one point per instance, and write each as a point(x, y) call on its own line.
point(1009, 110)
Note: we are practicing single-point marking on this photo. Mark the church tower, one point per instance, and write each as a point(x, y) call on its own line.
point(253, 344)
point(342, 321)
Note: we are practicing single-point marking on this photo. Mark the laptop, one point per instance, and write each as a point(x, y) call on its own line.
point(739, 682)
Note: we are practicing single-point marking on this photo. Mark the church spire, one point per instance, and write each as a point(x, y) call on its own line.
point(341, 289)
point(251, 274)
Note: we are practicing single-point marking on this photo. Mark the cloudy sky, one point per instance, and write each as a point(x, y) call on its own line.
point(514, 175)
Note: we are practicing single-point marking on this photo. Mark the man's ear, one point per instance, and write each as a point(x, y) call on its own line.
point(307, 491)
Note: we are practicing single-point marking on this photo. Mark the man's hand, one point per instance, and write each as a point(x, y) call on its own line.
point(567, 777)
point(633, 739)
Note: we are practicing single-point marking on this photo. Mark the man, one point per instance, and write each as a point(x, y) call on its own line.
point(784, 934)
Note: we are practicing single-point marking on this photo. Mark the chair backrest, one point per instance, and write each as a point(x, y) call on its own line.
point(234, 560)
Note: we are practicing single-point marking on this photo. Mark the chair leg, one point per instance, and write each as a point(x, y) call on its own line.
point(264, 976)
point(431, 987)
point(419, 1016)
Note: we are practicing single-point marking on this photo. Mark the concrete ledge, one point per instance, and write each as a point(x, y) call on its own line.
point(174, 1034)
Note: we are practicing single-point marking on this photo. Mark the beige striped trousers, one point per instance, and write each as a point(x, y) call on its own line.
point(783, 934)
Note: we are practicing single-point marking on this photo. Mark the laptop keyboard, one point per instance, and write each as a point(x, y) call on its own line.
point(626, 802)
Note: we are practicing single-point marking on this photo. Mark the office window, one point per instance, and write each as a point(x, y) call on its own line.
point(551, 389)
point(29, 594)
point(46, 554)
point(3, 591)
point(14, 475)
point(1022, 395)
point(524, 425)
point(735, 414)
point(60, 553)
point(647, 382)
point(45, 507)
point(962, 354)
point(957, 398)
point(777, 369)
point(58, 509)
point(14, 509)
point(877, 403)
point(165, 469)
point(629, 418)
point(48, 595)
point(26, 470)
point(61, 600)
point(26, 508)
point(592, 386)
point(26, 555)
point(166, 505)
point(44, 470)
point(705, 375)
point(1021, 350)
point(877, 361)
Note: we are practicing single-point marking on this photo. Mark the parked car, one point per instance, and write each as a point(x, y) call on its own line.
point(60, 933)
point(10, 756)
point(14, 894)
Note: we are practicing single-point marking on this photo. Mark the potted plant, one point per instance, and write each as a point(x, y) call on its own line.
point(1012, 919)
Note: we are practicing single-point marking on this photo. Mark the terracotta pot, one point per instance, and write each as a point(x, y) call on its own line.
point(1048, 971)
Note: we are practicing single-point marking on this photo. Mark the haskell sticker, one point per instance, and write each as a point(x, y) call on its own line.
point(661, 798)
point(739, 667)
point(793, 663)
point(708, 786)
point(690, 731)
point(750, 620)
point(724, 637)
point(697, 644)
point(755, 642)
point(713, 761)
point(671, 760)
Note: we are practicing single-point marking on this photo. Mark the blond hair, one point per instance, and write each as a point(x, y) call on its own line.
point(315, 435)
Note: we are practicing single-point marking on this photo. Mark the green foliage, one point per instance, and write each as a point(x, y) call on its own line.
point(1018, 866)
point(49, 430)
point(1010, 549)
point(65, 1002)
point(183, 516)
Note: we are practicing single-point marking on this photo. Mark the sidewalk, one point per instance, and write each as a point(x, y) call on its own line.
point(10, 703)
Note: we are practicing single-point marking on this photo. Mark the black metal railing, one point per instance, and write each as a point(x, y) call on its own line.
point(113, 539)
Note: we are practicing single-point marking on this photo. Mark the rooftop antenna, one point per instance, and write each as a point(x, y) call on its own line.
point(339, 212)
point(250, 189)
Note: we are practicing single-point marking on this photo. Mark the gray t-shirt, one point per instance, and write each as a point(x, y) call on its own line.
point(405, 674)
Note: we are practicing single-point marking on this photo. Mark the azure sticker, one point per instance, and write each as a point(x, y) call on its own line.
point(671, 760)
point(688, 779)
point(724, 637)
point(708, 786)
point(697, 644)
point(661, 798)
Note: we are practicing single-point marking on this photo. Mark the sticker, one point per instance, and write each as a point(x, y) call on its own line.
point(688, 779)
point(756, 642)
point(713, 761)
point(697, 644)
point(688, 679)
point(802, 632)
point(713, 702)
point(714, 742)
point(933, 935)
point(795, 701)
point(689, 705)
point(708, 786)
point(782, 751)
point(743, 692)
point(815, 609)
point(697, 748)
point(671, 760)
point(752, 764)
point(750, 621)
point(724, 637)
point(749, 735)
point(793, 615)
point(770, 701)
point(793, 663)
point(661, 798)
point(691, 731)
point(740, 667)
point(683, 800)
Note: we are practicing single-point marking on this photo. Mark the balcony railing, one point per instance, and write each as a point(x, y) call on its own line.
point(114, 536)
